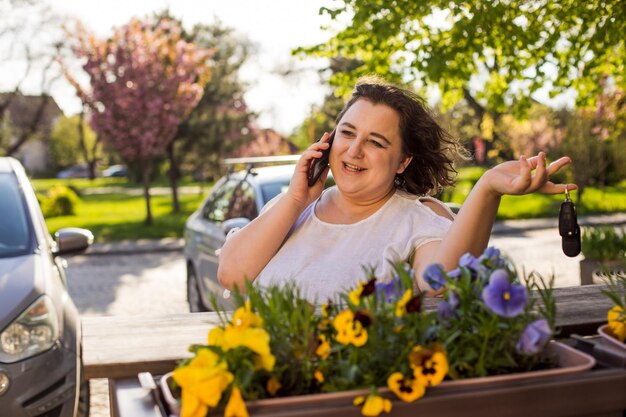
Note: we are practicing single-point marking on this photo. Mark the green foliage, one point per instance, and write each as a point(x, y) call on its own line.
point(65, 146)
point(494, 55)
point(220, 122)
point(513, 43)
point(61, 201)
point(319, 121)
point(480, 341)
point(603, 243)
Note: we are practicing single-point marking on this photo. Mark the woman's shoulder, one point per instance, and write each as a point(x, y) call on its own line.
point(432, 204)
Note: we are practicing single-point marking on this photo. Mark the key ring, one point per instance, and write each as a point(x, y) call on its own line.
point(567, 198)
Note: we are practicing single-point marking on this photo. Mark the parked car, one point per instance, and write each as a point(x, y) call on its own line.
point(75, 171)
point(40, 339)
point(115, 171)
point(234, 201)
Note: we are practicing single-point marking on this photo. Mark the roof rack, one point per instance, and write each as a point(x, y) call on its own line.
point(262, 160)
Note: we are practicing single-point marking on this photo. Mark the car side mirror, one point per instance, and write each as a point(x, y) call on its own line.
point(230, 224)
point(72, 240)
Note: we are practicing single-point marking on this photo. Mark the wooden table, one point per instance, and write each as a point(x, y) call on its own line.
point(121, 347)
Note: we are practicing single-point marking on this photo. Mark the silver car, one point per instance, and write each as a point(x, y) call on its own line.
point(40, 344)
point(234, 201)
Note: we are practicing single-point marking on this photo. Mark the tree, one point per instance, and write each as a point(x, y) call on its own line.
point(322, 118)
point(72, 141)
point(221, 120)
point(30, 43)
point(492, 54)
point(144, 81)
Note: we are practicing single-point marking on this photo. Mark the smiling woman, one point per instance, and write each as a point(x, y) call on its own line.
point(387, 156)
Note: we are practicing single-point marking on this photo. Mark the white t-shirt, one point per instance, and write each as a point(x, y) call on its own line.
point(325, 258)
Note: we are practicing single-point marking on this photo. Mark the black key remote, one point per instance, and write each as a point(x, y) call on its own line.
point(569, 228)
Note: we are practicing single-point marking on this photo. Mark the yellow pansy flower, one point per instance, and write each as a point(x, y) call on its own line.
point(401, 304)
point(319, 376)
point(236, 407)
point(373, 405)
point(363, 289)
point(216, 337)
point(265, 362)
point(192, 406)
point(323, 349)
point(202, 382)
point(349, 330)
point(355, 295)
point(272, 386)
point(407, 389)
point(617, 322)
point(255, 339)
point(430, 366)
point(244, 317)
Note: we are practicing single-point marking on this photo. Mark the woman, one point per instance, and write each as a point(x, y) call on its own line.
point(387, 150)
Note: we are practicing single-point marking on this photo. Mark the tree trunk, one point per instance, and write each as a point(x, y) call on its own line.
point(91, 162)
point(146, 170)
point(174, 174)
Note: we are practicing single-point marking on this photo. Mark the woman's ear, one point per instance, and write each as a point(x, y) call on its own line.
point(403, 164)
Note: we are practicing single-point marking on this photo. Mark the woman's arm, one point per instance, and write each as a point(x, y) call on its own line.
point(247, 252)
point(471, 229)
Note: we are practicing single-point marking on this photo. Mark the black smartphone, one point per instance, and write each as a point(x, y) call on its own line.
point(317, 165)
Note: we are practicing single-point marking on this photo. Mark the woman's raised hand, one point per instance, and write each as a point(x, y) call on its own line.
point(299, 190)
point(526, 175)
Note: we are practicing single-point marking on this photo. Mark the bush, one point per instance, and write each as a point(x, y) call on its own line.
point(61, 201)
point(603, 243)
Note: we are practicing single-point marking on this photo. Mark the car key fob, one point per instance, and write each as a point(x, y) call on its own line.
point(569, 228)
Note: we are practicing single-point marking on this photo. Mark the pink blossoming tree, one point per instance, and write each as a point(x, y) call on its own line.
point(144, 81)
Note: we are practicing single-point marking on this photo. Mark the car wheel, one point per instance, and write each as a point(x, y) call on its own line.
point(83, 396)
point(193, 292)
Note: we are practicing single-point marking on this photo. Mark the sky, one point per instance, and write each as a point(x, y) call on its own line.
point(275, 26)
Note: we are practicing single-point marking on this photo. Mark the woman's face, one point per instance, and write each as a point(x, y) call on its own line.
point(367, 153)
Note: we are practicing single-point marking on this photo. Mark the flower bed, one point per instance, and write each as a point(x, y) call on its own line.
point(277, 345)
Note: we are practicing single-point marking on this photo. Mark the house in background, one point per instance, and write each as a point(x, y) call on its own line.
point(30, 119)
point(266, 142)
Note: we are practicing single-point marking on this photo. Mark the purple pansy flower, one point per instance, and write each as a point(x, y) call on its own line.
point(389, 291)
point(534, 337)
point(455, 273)
point(434, 276)
point(469, 261)
point(502, 297)
point(491, 258)
point(447, 307)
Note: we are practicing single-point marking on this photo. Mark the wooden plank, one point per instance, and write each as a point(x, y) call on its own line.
point(116, 347)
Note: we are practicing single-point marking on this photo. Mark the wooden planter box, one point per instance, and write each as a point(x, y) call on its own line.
point(570, 361)
point(592, 271)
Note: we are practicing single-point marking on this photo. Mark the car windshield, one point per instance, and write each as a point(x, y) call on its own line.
point(272, 189)
point(14, 236)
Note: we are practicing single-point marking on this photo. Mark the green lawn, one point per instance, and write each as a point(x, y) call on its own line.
point(118, 215)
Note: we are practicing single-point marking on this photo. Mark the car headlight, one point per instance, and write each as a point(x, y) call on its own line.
point(34, 331)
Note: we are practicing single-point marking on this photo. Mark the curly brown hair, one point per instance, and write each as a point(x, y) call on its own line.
point(433, 149)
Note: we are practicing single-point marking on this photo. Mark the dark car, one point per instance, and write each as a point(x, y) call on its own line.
point(234, 201)
point(40, 340)
point(75, 171)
